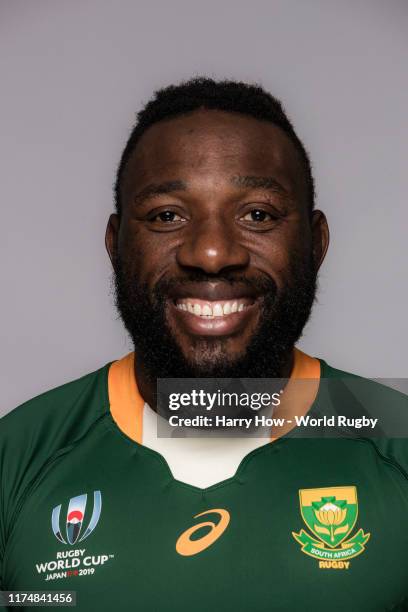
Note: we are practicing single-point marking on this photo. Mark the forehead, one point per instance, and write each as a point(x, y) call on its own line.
point(210, 147)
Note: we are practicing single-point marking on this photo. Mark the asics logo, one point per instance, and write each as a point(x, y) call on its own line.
point(187, 547)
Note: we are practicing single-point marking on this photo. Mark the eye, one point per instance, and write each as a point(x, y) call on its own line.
point(167, 216)
point(257, 215)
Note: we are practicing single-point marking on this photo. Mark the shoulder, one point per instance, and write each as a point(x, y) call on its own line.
point(32, 433)
point(351, 395)
point(56, 410)
point(371, 393)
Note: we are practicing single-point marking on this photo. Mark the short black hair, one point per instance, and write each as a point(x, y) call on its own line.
point(206, 93)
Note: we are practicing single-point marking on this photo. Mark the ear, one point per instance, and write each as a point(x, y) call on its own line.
point(111, 237)
point(320, 237)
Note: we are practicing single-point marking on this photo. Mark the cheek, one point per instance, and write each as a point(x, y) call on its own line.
point(272, 255)
point(280, 248)
point(146, 257)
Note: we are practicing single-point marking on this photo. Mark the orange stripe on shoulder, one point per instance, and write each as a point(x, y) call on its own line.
point(298, 398)
point(126, 403)
point(305, 366)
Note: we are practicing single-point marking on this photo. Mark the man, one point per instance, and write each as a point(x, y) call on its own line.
point(215, 246)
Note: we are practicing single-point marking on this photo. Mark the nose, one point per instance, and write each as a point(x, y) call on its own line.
point(212, 246)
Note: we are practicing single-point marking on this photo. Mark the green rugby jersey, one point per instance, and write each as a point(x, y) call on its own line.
point(304, 523)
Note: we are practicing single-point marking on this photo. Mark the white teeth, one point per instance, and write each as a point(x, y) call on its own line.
point(211, 310)
point(217, 310)
point(227, 308)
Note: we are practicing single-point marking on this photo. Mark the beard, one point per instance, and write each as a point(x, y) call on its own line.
point(283, 315)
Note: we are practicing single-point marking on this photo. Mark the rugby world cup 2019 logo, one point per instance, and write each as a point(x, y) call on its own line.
point(75, 518)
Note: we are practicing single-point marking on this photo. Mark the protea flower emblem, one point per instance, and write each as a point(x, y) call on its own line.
point(331, 514)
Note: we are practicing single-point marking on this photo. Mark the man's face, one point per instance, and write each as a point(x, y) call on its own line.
point(215, 254)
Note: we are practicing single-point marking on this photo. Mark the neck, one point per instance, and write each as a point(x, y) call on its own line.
point(147, 385)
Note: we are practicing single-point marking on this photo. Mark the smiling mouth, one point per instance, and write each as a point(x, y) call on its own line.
point(216, 309)
point(198, 317)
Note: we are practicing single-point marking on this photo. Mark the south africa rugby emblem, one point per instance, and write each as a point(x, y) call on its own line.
point(331, 515)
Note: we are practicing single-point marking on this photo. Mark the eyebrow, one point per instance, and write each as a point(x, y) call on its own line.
point(155, 189)
point(260, 182)
point(251, 182)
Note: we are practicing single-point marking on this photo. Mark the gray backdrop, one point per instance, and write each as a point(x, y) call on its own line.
point(73, 73)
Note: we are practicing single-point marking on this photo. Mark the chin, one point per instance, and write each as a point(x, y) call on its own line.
point(212, 363)
point(206, 351)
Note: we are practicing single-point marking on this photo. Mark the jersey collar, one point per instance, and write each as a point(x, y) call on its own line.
point(126, 402)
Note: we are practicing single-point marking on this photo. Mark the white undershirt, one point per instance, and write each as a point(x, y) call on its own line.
point(198, 461)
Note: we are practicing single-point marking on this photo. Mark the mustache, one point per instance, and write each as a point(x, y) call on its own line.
point(261, 285)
